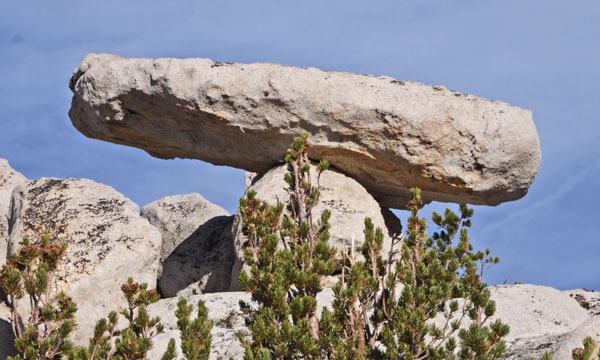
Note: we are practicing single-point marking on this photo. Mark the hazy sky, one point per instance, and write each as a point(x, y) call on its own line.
point(540, 55)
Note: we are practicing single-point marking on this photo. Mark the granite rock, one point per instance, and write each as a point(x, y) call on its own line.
point(177, 217)
point(387, 134)
point(108, 241)
point(202, 263)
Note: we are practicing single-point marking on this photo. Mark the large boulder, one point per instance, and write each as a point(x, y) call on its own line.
point(108, 241)
point(574, 339)
point(9, 179)
point(202, 263)
point(533, 310)
point(389, 135)
point(177, 217)
point(560, 345)
point(347, 200)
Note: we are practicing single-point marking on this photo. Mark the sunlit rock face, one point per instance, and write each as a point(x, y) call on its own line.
point(107, 242)
point(388, 135)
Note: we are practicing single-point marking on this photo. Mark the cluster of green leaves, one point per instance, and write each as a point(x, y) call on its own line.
point(44, 333)
point(287, 256)
point(384, 308)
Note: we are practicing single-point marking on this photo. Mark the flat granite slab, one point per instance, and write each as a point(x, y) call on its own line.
point(389, 135)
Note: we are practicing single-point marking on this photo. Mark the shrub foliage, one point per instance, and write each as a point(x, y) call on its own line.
point(409, 304)
point(43, 333)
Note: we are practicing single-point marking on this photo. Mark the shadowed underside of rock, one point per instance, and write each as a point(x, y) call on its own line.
point(388, 135)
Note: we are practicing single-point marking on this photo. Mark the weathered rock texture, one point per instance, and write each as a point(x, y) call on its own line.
point(347, 200)
point(108, 241)
point(177, 217)
point(533, 310)
point(573, 339)
point(388, 135)
point(202, 263)
point(9, 179)
point(588, 299)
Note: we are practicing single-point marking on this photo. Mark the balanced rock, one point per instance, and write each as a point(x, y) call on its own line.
point(348, 201)
point(108, 241)
point(202, 263)
point(6, 335)
point(389, 135)
point(9, 179)
point(177, 217)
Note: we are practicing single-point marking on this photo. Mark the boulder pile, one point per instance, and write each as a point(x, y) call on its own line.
point(381, 136)
point(189, 247)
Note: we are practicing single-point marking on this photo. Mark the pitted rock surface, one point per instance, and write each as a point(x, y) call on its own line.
point(202, 263)
point(9, 179)
point(108, 241)
point(574, 339)
point(347, 200)
point(388, 135)
point(177, 217)
point(588, 299)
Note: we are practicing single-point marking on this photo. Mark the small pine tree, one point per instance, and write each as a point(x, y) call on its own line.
point(406, 294)
point(44, 332)
point(135, 341)
point(287, 255)
point(383, 308)
point(195, 334)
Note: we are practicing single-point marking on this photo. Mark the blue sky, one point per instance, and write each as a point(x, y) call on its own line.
point(540, 55)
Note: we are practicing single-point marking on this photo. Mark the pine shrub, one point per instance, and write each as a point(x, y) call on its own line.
point(44, 332)
point(287, 256)
point(384, 308)
point(195, 334)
